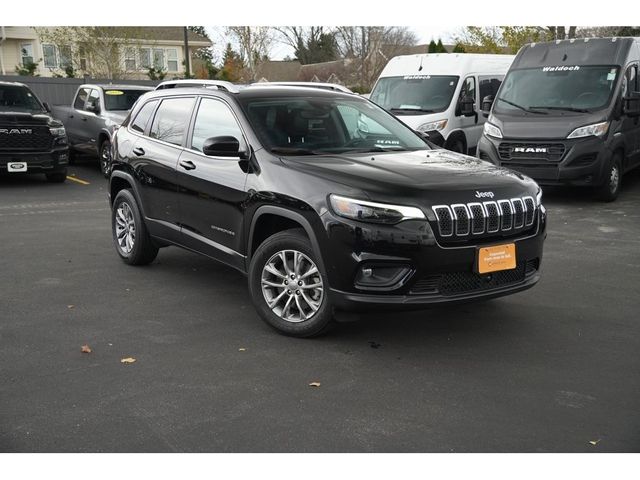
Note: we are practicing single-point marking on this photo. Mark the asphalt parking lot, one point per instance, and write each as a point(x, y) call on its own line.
point(552, 369)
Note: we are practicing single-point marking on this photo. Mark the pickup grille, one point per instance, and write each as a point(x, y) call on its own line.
point(494, 217)
point(31, 138)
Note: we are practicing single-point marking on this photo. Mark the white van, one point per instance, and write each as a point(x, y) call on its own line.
point(442, 92)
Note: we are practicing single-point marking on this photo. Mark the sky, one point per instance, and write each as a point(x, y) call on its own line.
point(279, 51)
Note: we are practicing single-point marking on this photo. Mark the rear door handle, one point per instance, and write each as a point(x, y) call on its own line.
point(138, 151)
point(187, 164)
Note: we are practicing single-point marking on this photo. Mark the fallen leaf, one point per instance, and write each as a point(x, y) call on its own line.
point(594, 442)
point(85, 349)
point(70, 306)
point(128, 360)
point(242, 349)
point(314, 384)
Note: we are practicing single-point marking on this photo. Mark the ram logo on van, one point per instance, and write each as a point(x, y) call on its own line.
point(530, 150)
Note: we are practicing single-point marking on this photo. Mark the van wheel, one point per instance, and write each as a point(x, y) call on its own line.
point(104, 156)
point(609, 190)
point(456, 145)
point(287, 286)
point(130, 235)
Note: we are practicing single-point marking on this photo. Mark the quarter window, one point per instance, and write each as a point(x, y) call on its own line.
point(171, 120)
point(214, 119)
point(143, 116)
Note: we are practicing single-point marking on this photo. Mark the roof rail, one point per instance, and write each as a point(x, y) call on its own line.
point(195, 83)
point(325, 86)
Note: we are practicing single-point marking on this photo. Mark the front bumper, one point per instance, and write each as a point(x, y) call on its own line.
point(583, 162)
point(37, 162)
point(438, 274)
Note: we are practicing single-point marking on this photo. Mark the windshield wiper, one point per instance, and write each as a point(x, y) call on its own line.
point(525, 109)
point(295, 151)
point(421, 110)
point(568, 109)
point(376, 149)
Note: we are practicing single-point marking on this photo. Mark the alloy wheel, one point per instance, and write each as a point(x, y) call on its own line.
point(292, 286)
point(125, 228)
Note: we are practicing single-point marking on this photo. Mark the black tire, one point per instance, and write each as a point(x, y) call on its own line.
point(142, 251)
point(318, 322)
point(104, 157)
point(456, 144)
point(56, 177)
point(610, 189)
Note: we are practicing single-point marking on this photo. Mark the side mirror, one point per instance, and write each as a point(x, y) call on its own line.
point(466, 106)
point(487, 103)
point(92, 107)
point(223, 146)
point(46, 106)
point(432, 137)
point(631, 105)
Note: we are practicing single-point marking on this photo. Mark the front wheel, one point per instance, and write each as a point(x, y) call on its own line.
point(130, 235)
point(105, 158)
point(287, 286)
point(609, 190)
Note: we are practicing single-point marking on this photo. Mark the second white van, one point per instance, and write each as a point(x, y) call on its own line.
point(442, 92)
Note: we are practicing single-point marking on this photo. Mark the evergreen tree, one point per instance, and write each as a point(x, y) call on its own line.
point(440, 47)
point(432, 47)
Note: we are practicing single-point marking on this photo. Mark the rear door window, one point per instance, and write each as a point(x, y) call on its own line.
point(172, 120)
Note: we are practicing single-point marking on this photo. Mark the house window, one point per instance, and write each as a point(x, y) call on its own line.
point(49, 54)
point(26, 53)
point(64, 56)
point(145, 58)
point(172, 59)
point(130, 60)
point(158, 58)
point(82, 56)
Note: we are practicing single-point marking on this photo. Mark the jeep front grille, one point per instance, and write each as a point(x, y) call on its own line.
point(469, 219)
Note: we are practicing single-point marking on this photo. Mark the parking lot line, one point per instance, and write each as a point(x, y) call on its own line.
point(77, 180)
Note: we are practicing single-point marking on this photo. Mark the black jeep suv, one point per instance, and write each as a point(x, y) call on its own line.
point(325, 200)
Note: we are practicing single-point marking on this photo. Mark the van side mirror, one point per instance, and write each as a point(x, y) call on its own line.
point(433, 137)
point(466, 106)
point(223, 146)
point(631, 105)
point(487, 103)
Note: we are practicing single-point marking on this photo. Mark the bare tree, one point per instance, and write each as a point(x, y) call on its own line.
point(254, 44)
point(372, 47)
point(98, 51)
point(315, 44)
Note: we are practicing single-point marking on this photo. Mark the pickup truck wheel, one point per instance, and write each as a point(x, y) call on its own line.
point(130, 235)
point(56, 177)
point(287, 286)
point(609, 190)
point(105, 158)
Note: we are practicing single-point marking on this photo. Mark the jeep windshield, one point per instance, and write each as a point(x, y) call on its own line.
point(318, 125)
point(16, 98)
point(415, 94)
point(119, 99)
point(556, 90)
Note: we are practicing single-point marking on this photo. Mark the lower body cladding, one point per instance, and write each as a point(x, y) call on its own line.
point(34, 162)
point(579, 162)
point(404, 267)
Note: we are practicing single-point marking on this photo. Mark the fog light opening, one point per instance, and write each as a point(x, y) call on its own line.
point(382, 276)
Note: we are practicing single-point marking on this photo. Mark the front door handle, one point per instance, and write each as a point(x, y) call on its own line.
point(138, 151)
point(187, 164)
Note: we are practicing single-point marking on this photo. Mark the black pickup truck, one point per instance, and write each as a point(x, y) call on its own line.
point(31, 139)
point(96, 111)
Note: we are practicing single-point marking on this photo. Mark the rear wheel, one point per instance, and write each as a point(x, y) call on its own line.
point(287, 286)
point(105, 158)
point(56, 177)
point(130, 235)
point(609, 190)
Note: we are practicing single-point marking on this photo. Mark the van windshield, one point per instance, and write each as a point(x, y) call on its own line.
point(415, 94)
point(16, 98)
point(317, 125)
point(557, 90)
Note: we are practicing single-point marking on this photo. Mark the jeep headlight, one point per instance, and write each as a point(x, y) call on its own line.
point(365, 211)
point(595, 130)
point(433, 126)
point(58, 131)
point(491, 130)
point(539, 197)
